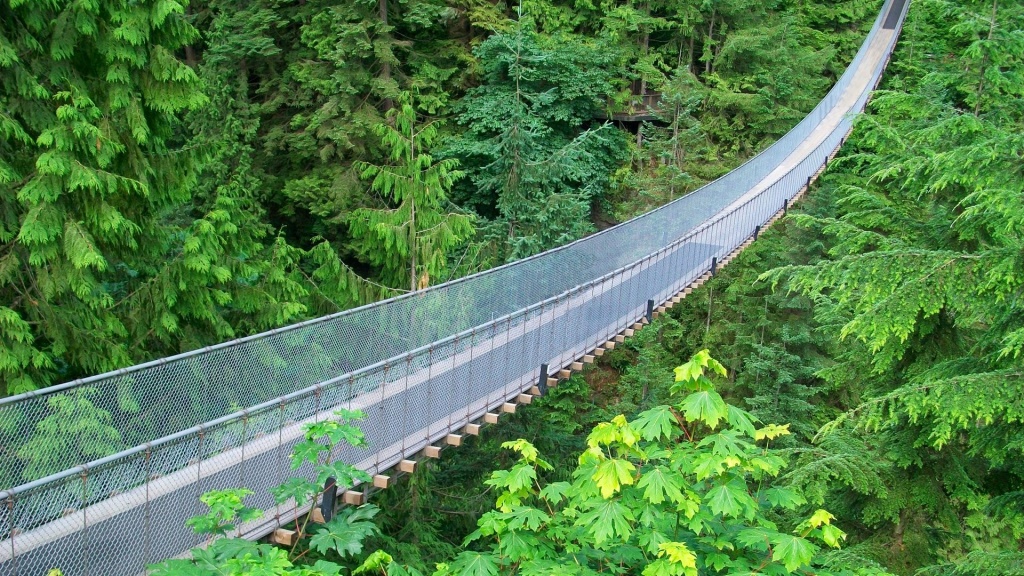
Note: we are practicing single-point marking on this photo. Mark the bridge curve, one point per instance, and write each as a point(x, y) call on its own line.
point(421, 366)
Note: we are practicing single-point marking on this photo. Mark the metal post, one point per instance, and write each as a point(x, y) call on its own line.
point(785, 206)
point(542, 381)
point(12, 532)
point(650, 311)
point(757, 231)
point(330, 497)
point(245, 438)
point(714, 265)
point(147, 513)
point(85, 518)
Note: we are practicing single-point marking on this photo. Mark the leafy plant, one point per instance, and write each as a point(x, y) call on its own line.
point(341, 538)
point(682, 489)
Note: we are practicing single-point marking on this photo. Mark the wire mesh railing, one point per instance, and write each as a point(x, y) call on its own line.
point(420, 366)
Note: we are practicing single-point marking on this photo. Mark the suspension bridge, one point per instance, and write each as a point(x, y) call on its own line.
point(426, 368)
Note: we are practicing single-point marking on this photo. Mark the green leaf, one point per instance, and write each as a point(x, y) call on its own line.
point(606, 520)
point(345, 533)
point(474, 564)
point(832, 535)
point(345, 475)
point(306, 451)
point(657, 423)
point(555, 492)
point(612, 474)
point(727, 499)
point(299, 489)
point(325, 568)
point(519, 546)
point(527, 517)
point(783, 497)
point(771, 432)
point(660, 484)
point(706, 406)
point(374, 562)
point(792, 551)
point(741, 420)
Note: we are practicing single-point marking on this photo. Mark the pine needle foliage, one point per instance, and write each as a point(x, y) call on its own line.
point(922, 285)
point(411, 237)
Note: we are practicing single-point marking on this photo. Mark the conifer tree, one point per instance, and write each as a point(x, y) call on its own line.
point(533, 170)
point(411, 237)
point(921, 287)
point(108, 256)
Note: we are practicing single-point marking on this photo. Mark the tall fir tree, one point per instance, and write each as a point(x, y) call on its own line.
point(409, 239)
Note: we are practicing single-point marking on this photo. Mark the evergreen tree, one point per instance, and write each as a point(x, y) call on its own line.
point(922, 282)
point(106, 258)
point(409, 239)
point(532, 168)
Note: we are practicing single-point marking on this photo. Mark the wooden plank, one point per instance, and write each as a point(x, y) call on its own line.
point(316, 516)
point(525, 399)
point(473, 429)
point(588, 358)
point(640, 325)
point(453, 439)
point(534, 390)
point(432, 451)
point(577, 366)
point(563, 374)
point(552, 382)
point(491, 418)
point(407, 466)
point(508, 408)
point(610, 345)
point(688, 290)
point(284, 537)
point(599, 352)
point(353, 498)
point(381, 481)
point(620, 338)
point(628, 332)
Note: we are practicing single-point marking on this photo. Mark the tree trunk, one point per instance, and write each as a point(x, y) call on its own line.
point(412, 212)
point(190, 51)
point(984, 62)
point(689, 62)
point(385, 72)
point(901, 528)
point(711, 40)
